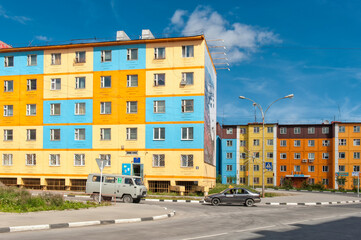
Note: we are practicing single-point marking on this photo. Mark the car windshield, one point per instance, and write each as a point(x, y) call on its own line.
point(138, 181)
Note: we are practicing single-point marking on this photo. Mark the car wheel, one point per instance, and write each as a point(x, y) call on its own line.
point(249, 202)
point(127, 199)
point(215, 202)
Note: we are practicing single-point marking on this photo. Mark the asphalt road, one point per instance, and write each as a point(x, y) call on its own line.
point(198, 221)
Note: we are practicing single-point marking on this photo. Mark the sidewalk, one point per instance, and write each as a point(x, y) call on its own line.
point(119, 213)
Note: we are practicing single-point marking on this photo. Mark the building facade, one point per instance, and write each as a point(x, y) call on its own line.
point(147, 106)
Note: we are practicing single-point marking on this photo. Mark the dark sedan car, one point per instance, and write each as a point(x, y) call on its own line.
point(234, 196)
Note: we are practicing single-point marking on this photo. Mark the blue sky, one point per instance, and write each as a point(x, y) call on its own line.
point(310, 48)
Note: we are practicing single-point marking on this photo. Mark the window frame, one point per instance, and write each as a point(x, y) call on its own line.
point(130, 134)
point(130, 54)
point(106, 81)
point(187, 51)
point(103, 134)
point(104, 106)
point(158, 56)
point(156, 106)
point(29, 85)
point(188, 132)
point(159, 131)
point(103, 56)
point(53, 108)
point(130, 80)
point(29, 134)
point(29, 60)
point(158, 160)
point(129, 107)
point(29, 109)
point(78, 107)
point(8, 110)
point(78, 81)
point(185, 106)
point(57, 160)
point(6, 86)
point(157, 81)
point(190, 162)
point(7, 61)
point(185, 78)
point(32, 159)
point(7, 159)
point(53, 133)
point(55, 84)
point(79, 134)
point(54, 60)
point(78, 58)
point(81, 160)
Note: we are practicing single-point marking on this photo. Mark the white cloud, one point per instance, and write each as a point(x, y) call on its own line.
point(19, 19)
point(240, 39)
point(42, 38)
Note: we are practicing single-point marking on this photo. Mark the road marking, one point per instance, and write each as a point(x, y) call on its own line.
point(251, 229)
point(207, 236)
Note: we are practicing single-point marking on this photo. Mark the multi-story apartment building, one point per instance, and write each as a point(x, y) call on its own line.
point(147, 106)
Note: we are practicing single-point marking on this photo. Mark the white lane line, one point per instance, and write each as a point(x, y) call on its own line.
point(252, 229)
point(207, 236)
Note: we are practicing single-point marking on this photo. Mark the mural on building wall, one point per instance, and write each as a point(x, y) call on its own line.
point(209, 111)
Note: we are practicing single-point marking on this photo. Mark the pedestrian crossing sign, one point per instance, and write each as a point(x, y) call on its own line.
point(268, 166)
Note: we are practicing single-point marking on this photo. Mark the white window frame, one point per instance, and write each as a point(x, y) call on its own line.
point(324, 168)
point(187, 160)
point(79, 159)
point(30, 110)
point(6, 85)
point(325, 130)
point(188, 51)
point(105, 81)
point(130, 54)
point(283, 143)
point(341, 168)
point(270, 142)
point(8, 135)
point(132, 80)
point(157, 108)
point(29, 134)
point(283, 155)
point(229, 155)
point(311, 168)
point(79, 134)
point(311, 156)
point(325, 143)
point(106, 56)
point(108, 158)
point(296, 155)
point(54, 60)
point(341, 155)
point(54, 160)
point(7, 159)
point(270, 155)
point(132, 134)
point(30, 62)
point(186, 80)
point(283, 130)
point(187, 133)
point(341, 129)
point(356, 155)
point(186, 105)
point(78, 107)
point(255, 129)
point(55, 84)
point(255, 142)
point(283, 168)
point(356, 142)
point(297, 130)
point(325, 156)
point(242, 130)
point(158, 54)
point(356, 168)
point(78, 81)
point(8, 110)
point(104, 106)
point(295, 143)
point(242, 143)
point(157, 79)
point(342, 142)
point(52, 134)
point(103, 134)
point(229, 130)
point(356, 129)
point(229, 168)
point(311, 143)
point(7, 61)
point(297, 168)
point(158, 160)
point(79, 58)
point(311, 130)
point(256, 168)
point(130, 107)
point(30, 159)
point(53, 108)
point(229, 143)
point(158, 132)
point(29, 85)
point(269, 129)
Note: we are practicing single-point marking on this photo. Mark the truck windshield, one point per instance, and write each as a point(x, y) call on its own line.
point(138, 181)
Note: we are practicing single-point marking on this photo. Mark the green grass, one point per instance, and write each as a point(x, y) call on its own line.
point(19, 200)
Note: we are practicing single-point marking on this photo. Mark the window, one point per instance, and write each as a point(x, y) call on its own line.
point(55, 58)
point(341, 168)
point(80, 82)
point(30, 109)
point(31, 85)
point(356, 142)
point(105, 134)
point(228, 130)
point(30, 159)
point(186, 160)
point(297, 168)
point(325, 155)
point(283, 143)
point(187, 105)
point(311, 143)
point(105, 81)
point(188, 51)
point(341, 129)
point(131, 152)
point(132, 133)
point(242, 168)
point(159, 106)
point(311, 168)
point(324, 168)
point(283, 156)
point(311, 130)
point(80, 57)
point(242, 180)
point(79, 159)
point(283, 130)
point(243, 155)
point(283, 168)
point(55, 84)
point(187, 133)
point(159, 79)
point(356, 155)
point(256, 154)
point(256, 168)
point(80, 108)
point(30, 134)
point(269, 180)
point(342, 142)
point(106, 56)
point(8, 85)
point(325, 130)
point(356, 168)
point(55, 109)
point(158, 160)
point(297, 155)
point(229, 168)
point(132, 80)
point(229, 155)
point(341, 155)
point(106, 157)
point(187, 78)
point(270, 142)
point(256, 180)
point(243, 130)
point(159, 53)
point(255, 142)
point(105, 108)
point(9, 61)
point(54, 134)
point(297, 130)
point(325, 181)
point(311, 181)
point(270, 129)
point(8, 110)
point(256, 129)
point(7, 159)
point(54, 160)
point(8, 134)
point(325, 143)
point(356, 129)
point(132, 54)
point(297, 143)
point(229, 143)
point(32, 60)
point(132, 107)
point(159, 134)
point(311, 155)
point(242, 143)
point(269, 154)
point(79, 134)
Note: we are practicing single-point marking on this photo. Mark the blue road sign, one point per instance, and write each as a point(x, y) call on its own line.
point(136, 160)
point(268, 166)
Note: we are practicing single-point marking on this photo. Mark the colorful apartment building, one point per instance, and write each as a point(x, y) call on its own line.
point(147, 106)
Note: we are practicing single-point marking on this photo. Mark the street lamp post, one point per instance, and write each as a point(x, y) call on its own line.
point(263, 118)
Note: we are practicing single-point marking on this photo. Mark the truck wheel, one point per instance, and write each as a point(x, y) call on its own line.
point(127, 199)
point(249, 202)
point(215, 202)
point(137, 200)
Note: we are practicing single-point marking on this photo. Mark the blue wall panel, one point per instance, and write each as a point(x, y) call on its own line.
point(224, 161)
point(21, 64)
point(67, 137)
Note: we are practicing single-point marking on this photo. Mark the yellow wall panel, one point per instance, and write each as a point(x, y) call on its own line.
point(80, 93)
point(61, 93)
point(101, 144)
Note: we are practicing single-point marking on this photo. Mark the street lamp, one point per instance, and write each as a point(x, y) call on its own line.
point(263, 117)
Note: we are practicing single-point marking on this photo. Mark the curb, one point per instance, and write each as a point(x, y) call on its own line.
point(166, 200)
point(83, 224)
point(312, 203)
point(311, 191)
